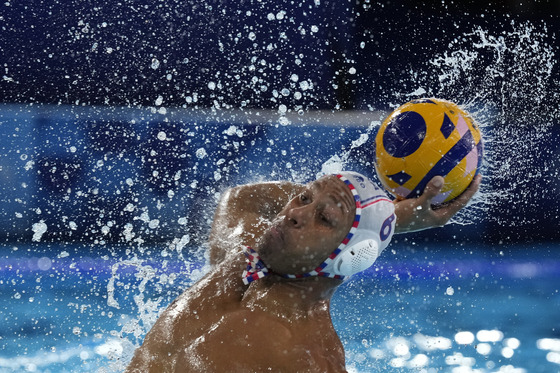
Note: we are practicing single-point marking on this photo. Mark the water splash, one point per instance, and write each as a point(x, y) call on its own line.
point(505, 80)
point(338, 162)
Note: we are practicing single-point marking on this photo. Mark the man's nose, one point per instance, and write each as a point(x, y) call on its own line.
point(298, 216)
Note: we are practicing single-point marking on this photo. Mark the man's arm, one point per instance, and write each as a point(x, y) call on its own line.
point(243, 214)
point(416, 214)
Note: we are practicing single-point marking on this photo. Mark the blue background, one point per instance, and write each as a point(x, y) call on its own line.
point(117, 59)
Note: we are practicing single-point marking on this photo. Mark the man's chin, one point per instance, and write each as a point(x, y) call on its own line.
point(267, 247)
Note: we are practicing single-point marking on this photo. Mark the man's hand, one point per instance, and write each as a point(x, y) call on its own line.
point(416, 214)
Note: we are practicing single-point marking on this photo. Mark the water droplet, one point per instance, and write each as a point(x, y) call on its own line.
point(38, 230)
point(201, 153)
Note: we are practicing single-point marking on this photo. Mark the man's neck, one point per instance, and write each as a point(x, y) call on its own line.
point(291, 299)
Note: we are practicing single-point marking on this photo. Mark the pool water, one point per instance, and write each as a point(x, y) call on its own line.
point(454, 311)
point(418, 309)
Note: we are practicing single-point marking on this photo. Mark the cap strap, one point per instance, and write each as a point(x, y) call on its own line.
point(256, 269)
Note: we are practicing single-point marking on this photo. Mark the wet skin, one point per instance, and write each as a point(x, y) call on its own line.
point(221, 325)
point(275, 324)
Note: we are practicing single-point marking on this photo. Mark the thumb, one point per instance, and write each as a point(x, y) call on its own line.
point(432, 189)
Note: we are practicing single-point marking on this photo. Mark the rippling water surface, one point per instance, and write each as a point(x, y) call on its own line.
point(419, 309)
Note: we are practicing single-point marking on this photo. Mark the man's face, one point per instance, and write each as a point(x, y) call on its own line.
point(309, 227)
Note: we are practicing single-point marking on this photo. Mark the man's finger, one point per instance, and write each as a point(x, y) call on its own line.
point(432, 189)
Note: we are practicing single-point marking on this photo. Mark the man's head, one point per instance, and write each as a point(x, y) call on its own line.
point(335, 228)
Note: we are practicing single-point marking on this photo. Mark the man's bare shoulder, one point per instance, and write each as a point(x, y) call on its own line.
point(190, 317)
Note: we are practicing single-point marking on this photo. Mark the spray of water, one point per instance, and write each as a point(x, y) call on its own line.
point(505, 81)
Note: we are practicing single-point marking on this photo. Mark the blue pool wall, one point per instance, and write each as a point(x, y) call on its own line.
point(103, 168)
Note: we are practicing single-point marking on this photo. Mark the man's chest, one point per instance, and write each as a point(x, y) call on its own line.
point(246, 339)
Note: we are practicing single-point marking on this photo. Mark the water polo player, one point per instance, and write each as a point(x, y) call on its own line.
point(279, 251)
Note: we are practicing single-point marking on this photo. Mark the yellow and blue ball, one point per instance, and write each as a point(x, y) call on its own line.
point(426, 138)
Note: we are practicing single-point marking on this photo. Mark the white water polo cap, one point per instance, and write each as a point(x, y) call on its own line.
point(371, 232)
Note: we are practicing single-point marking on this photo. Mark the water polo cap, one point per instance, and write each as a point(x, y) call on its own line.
point(371, 232)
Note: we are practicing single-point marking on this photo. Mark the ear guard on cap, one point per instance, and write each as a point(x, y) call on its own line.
point(357, 258)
